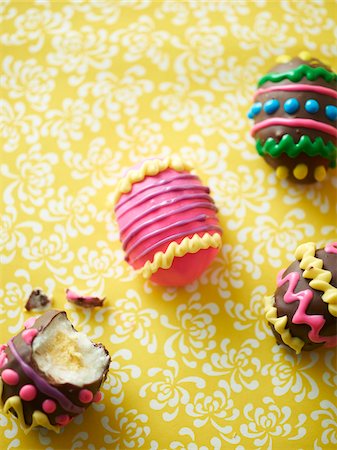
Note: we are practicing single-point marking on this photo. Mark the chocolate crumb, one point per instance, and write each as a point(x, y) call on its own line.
point(83, 301)
point(37, 301)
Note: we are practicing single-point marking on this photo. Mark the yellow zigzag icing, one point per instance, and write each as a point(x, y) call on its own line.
point(313, 269)
point(38, 417)
point(150, 167)
point(163, 260)
point(280, 324)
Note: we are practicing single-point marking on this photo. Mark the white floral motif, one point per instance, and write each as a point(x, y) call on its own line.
point(15, 123)
point(170, 391)
point(217, 409)
point(67, 124)
point(179, 11)
point(6, 11)
point(78, 50)
point(33, 183)
point(33, 25)
point(100, 163)
point(130, 319)
point(240, 364)
point(77, 212)
point(188, 436)
point(129, 429)
point(10, 424)
point(270, 422)
point(307, 19)
point(228, 267)
point(239, 192)
point(141, 137)
point(29, 80)
point(178, 103)
point(142, 39)
point(198, 154)
point(251, 316)
point(117, 95)
point(316, 194)
point(98, 265)
point(272, 236)
point(51, 251)
point(330, 376)
point(202, 51)
point(119, 374)
point(15, 295)
point(288, 373)
point(11, 235)
point(233, 74)
point(266, 35)
point(328, 416)
point(194, 332)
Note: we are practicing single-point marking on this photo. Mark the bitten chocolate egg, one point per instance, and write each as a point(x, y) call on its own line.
point(295, 113)
point(167, 221)
point(50, 373)
point(303, 311)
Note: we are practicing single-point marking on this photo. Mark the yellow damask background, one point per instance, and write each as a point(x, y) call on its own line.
point(92, 87)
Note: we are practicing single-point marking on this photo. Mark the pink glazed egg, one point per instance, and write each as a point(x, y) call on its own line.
point(167, 221)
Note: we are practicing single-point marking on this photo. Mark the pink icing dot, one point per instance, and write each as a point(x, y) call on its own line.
point(29, 335)
point(85, 396)
point(29, 322)
point(10, 377)
point(49, 406)
point(63, 419)
point(28, 392)
point(97, 397)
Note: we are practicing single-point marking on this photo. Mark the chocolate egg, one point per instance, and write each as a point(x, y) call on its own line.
point(303, 311)
point(294, 113)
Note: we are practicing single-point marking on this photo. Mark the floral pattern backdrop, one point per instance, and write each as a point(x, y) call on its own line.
point(91, 87)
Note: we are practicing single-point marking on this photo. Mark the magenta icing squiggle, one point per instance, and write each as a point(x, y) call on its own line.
point(331, 248)
point(293, 123)
point(298, 87)
point(43, 385)
point(178, 177)
point(315, 322)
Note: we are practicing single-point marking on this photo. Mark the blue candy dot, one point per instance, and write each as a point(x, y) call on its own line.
point(311, 106)
point(331, 112)
point(291, 105)
point(254, 110)
point(271, 106)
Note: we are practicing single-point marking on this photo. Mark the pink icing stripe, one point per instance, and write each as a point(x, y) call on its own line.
point(298, 87)
point(315, 321)
point(301, 123)
point(331, 248)
point(179, 176)
point(43, 385)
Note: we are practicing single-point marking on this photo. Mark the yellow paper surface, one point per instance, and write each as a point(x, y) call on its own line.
point(90, 88)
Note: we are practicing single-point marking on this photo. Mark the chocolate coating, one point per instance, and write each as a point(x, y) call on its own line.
point(276, 132)
point(316, 307)
point(69, 391)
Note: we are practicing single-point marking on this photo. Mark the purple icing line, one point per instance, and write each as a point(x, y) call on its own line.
point(177, 236)
point(42, 384)
point(180, 176)
point(178, 223)
point(168, 189)
point(170, 202)
point(150, 222)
